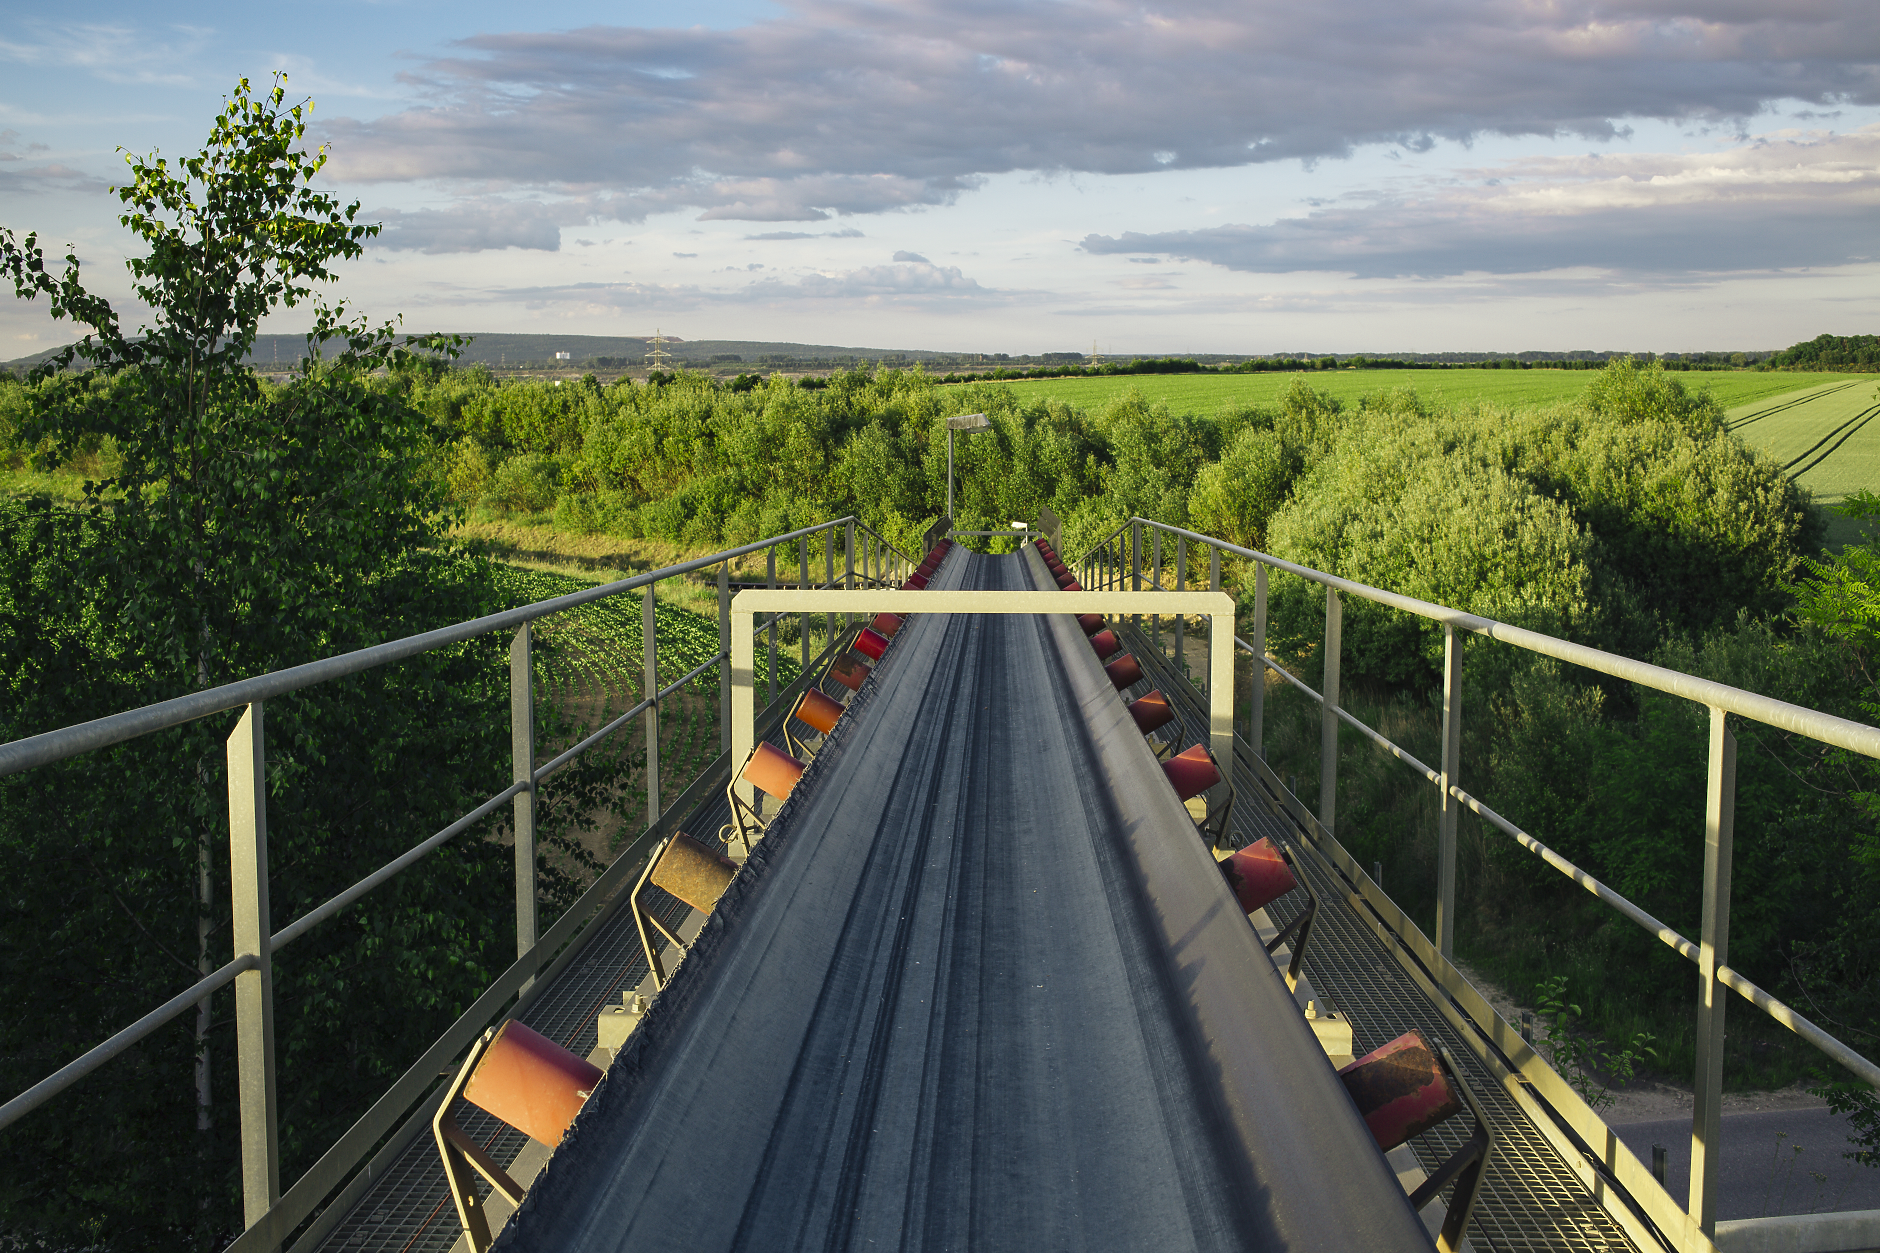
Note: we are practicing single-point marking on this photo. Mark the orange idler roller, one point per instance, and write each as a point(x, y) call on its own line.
point(849, 672)
point(1191, 771)
point(871, 644)
point(532, 1083)
point(1124, 672)
point(818, 710)
point(772, 770)
point(1090, 622)
point(1151, 712)
point(1258, 875)
point(1106, 644)
point(886, 624)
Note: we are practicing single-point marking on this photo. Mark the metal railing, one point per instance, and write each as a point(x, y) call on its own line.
point(1119, 559)
point(268, 1215)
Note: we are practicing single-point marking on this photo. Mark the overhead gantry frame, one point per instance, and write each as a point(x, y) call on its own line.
point(1218, 607)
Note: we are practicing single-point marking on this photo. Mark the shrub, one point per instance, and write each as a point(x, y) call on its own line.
point(526, 483)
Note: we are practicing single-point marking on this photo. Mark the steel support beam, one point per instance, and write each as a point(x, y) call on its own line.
point(254, 988)
point(724, 648)
point(649, 656)
point(522, 770)
point(1328, 722)
point(1256, 708)
point(1713, 952)
point(1452, 807)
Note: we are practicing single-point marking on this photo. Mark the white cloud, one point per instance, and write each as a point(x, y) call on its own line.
point(839, 108)
point(1784, 200)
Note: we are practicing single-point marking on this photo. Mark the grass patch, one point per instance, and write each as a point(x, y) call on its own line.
point(1205, 393)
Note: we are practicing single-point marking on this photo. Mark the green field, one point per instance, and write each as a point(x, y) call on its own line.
point(1825, 436)
point(1204, 393)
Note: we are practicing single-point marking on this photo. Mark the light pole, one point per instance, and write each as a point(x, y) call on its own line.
point(968, 422)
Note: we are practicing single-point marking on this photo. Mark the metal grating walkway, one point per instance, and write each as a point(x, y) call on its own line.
point(1531, 1199)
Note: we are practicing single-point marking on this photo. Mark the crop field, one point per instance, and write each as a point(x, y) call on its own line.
point(1826, 437)
point(1204, 393)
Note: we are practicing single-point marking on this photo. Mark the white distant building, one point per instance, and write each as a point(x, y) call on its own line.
point(564, 356)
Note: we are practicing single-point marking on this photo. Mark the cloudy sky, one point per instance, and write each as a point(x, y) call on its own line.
point(1027, 175)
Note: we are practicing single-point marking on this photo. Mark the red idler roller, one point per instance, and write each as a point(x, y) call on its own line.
point(849, 672)
point(1151, 712)
point(1191, 771)
point(1062, 577)
point(1090, 622)
point(772, 770)
point(1124, 672)
point(915, 582)
point(1400, 1089)
point(871, 644)
point(1106, 644)
point(1258, 875)
point(886, 624)
point(818, 710)
point(1072, 586)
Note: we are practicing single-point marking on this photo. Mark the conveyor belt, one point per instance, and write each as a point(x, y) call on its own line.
point(1531, 1199)
point(980, 987)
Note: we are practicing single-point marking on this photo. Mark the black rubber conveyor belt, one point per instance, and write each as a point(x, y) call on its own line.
point(981, 987)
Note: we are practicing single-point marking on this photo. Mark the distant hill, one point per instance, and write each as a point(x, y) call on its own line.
point(615, 354)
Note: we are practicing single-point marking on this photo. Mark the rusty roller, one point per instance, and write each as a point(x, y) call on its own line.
point(1106, 644)
point(886, 624)
point(1191, 771)
point(849, 672)
point(1400, 1089)
point(1258, 875)
point(1124, 672)
point(871, 644)
point(1151, 712)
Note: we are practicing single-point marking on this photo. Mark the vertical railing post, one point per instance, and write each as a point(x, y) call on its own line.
point(1714, 951)
point(724, 648)
point(522, 770)
point(1452, 765)
point(770, 580)
point(649, 654)
point(1155, 581)
point(802, 584)
point(1256, 699)
point(1328, 727)
point(1214, 585)
point(743, 698)
point(254, 989)
point(1181, 585)
point(1135, 567)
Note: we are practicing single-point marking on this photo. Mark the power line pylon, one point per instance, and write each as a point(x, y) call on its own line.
point(659, 358)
